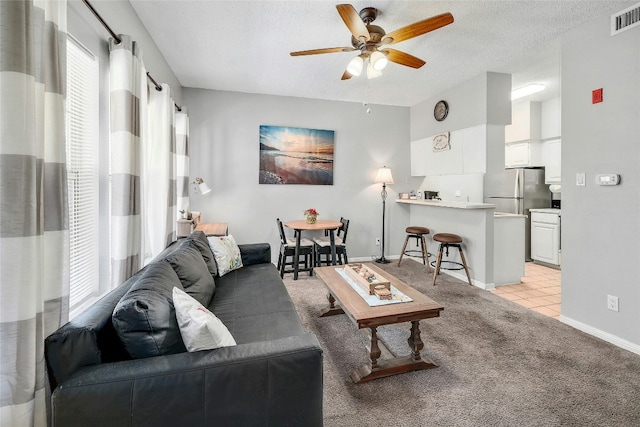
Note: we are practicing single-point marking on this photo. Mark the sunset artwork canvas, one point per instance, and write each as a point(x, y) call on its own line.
point(296, 156)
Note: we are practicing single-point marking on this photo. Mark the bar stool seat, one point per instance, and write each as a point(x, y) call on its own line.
point(418, 233)
point(447, 240)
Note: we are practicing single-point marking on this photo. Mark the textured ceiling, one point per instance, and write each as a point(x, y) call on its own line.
point(244, 46)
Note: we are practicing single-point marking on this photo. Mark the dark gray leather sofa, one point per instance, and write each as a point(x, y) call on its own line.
point(272, 377)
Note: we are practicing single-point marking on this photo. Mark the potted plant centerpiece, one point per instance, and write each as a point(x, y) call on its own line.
point(311, 214)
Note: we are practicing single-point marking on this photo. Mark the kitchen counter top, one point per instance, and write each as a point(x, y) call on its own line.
point(447, 204)
point(497, 215)
point(547, 210)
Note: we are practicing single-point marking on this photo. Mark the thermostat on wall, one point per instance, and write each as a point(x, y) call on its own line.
point(608, 179)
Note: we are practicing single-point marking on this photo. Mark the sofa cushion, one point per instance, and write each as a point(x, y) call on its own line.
point(200, 241)
point(145, 318)
point(200, 328)
point(192, 271)
point(255, 295)
point(227, 254)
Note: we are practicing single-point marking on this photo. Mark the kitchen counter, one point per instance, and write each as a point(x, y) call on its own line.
point(472, 221)
point(547, 210)
point(447, 204)
point(497, 215)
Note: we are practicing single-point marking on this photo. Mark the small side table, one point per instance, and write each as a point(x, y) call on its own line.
point(214, 228)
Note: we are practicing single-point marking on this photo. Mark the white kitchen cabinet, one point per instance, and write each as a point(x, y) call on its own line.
point(467, 154)
point(551, 159)
point(551, 119)
point(523, 154)
point(525, 122)
point(419, 157)
point(545, 237)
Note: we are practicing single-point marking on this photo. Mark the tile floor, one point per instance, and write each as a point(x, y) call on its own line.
point(539, 290)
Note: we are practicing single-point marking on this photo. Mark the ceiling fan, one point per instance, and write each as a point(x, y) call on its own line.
point(368, 39)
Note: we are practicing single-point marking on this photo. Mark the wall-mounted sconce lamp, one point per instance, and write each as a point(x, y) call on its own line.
point(202, 186)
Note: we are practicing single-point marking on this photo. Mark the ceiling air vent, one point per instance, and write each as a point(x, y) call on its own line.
point(625, 19)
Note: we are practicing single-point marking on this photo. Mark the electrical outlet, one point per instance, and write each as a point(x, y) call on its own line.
point(612, 303)
point(458, 193)
point(377, 241)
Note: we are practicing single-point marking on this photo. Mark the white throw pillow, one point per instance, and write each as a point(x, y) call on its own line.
point(226, 252)
point(200, 328)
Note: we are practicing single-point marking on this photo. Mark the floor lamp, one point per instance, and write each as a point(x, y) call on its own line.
point(384, 176)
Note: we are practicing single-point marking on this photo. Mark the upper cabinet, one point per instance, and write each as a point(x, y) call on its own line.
point(552, 160)
point(467, 152)
point(525, 122)
point(551, 119)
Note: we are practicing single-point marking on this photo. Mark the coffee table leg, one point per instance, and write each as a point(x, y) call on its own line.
point(333, 309)
point(375, 350)
point(415, 343)
point(396, 365)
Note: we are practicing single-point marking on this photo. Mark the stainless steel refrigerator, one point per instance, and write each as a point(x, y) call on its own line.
point(517, 191)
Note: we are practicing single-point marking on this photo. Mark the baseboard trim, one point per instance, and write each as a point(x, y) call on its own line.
point(606, 336)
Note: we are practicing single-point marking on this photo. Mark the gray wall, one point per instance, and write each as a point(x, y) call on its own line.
point(601, 225)
point(224, 151)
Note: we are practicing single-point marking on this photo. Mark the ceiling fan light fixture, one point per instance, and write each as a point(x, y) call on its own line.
point(355, 66)
point(372, 73)
point(378, 60)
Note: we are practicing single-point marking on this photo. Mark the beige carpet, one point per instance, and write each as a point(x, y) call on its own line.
point(499, 364)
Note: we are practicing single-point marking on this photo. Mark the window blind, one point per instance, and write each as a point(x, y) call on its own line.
point(82, 164)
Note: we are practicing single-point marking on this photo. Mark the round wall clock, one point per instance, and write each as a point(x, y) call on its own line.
point(441, 110)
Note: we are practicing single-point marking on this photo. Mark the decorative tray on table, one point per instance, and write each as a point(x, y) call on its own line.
point(371, 282)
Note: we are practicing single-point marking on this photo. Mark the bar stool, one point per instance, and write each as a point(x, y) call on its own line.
point(418, 233)
point(449, 240)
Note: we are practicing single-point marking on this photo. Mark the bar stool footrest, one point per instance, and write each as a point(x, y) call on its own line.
point(444, 261)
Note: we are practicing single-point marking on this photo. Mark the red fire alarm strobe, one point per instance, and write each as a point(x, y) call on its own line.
point(596, 96)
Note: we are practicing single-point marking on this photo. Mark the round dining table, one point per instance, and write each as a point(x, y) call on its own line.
point(320, 224)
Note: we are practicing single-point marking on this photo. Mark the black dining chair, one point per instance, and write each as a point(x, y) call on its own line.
point(288, 250)
point(323, 245)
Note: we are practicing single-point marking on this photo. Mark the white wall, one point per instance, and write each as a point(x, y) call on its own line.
point(224, 151)
point(601, 225)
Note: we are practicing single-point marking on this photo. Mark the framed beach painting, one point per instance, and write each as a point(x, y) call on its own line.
point(296, 155)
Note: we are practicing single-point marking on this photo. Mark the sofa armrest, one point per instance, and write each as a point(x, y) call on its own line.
point(255, 253)
point(276, 382)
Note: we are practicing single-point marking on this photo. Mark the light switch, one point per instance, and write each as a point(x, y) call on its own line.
point(580, 179)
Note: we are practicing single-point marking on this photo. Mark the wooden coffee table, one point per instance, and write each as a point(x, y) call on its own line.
point(365, 316)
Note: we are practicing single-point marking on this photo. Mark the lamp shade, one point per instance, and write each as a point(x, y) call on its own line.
point(372, 73)
point(355, 66)
point(378, 60)
point(384, 175)
point(204, 188)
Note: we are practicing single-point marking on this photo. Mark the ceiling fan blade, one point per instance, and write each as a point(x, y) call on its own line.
point(417, 29)
point(353, 21)
point(403, 58)
point(346, 76)
point(325, 50)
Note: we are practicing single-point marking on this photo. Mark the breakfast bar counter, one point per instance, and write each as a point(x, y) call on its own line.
point(447, 204)
point(472, 221)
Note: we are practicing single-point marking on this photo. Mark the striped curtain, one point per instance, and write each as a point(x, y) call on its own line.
point(34, 236)
point(128, 99)
point(159, 173)
point(182, 160)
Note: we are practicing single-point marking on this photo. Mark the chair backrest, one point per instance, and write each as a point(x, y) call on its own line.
point(283, 238)
point(342, 231)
